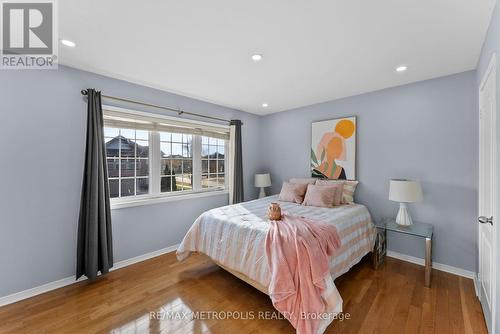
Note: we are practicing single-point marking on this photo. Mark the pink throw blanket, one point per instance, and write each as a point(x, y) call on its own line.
point(298, 250)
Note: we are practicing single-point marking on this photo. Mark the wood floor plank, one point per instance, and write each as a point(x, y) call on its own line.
point(413, 322)
point(442, 306)
point(399, 320)
point(455, 305)
point(143, 298)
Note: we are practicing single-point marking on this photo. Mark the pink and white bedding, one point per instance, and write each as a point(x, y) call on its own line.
point(235, 235)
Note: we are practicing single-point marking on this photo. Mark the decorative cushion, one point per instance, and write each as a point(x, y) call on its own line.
point(293, 192)
point(322, 196)
point(339, 191)
point(309, 180)
point(348, 190)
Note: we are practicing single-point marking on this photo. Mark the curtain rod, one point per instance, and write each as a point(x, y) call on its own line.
point(178, 111)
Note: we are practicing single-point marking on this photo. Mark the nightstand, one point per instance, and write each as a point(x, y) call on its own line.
point(420, 230)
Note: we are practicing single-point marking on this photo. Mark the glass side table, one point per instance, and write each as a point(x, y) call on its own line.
point(421, 230)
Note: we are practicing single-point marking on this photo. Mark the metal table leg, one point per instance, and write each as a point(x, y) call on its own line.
point(428, 261)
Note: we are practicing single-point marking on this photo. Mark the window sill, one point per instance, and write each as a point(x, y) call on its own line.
point(121, 204)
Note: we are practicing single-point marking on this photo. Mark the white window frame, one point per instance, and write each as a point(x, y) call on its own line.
point(155, 196)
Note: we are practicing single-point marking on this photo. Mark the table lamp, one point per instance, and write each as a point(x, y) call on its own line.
point(262, 181)
point(404, 191)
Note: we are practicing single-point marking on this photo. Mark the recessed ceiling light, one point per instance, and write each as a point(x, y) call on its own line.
point(68, 43)
point(256, 57)
point(265, 105)
point(402, 68)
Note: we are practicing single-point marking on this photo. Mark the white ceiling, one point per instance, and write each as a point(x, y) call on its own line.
point(314, 51)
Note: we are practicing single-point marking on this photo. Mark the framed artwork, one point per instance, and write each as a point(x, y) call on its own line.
point(333, 149)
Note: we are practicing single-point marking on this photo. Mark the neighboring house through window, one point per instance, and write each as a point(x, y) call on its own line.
point(152, 156)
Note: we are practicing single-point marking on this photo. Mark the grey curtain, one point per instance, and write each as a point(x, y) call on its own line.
point(95, 243)
point(238, 163)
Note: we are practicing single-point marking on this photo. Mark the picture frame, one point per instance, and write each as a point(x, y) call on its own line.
point(333, 148)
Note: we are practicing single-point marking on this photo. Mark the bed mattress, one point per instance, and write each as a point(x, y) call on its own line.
point(234, 236)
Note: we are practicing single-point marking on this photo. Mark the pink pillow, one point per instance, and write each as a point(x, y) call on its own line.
point(347, 191)
point(292, 192)
point(322, 196)
point(339, 191)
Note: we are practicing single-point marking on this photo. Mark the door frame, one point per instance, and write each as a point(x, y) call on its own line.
point(492, 68)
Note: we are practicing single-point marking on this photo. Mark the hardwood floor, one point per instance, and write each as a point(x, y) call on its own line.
point(392, 299)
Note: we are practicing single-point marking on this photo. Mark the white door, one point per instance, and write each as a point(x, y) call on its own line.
point(488, 219)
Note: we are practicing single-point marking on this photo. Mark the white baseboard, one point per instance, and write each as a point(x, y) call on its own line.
point(476, 285)
point(144, 257)
point(435, 265)
point(15, 297)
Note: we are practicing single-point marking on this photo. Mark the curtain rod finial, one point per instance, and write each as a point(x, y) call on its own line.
point(84, 92)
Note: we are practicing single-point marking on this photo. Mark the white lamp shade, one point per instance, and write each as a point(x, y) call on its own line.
point(405, 191)
point(262, 180)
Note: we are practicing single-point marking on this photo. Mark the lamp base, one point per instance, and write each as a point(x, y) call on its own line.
point(403, 217)
point(262, 193)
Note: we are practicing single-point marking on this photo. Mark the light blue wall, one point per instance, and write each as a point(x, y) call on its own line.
point(42, 136)
point(424, 131)
point(491, 46)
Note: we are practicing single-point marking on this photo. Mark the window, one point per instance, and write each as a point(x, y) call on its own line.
point(127, 152)
point(176, 162)
point(212, 162)
point(149, 156)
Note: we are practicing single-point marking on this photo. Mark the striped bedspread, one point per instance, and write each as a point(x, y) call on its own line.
point(235, 235)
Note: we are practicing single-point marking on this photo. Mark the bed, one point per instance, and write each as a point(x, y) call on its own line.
point(234, 238)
